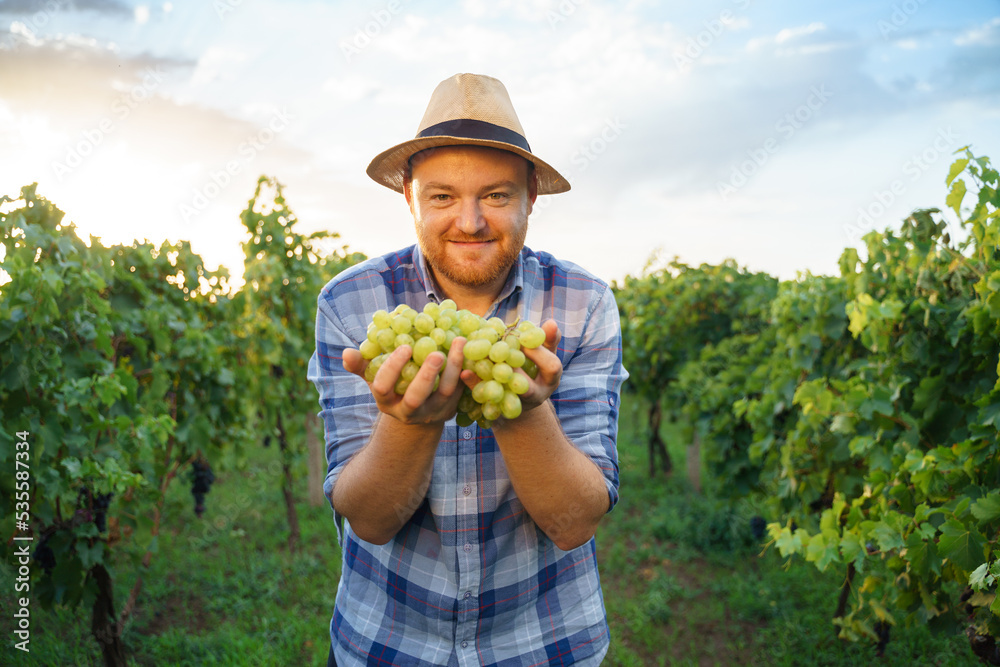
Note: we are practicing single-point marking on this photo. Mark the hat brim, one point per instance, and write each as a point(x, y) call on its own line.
point(389, 167)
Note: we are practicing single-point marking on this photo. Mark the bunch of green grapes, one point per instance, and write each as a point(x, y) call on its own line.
point(492, 352)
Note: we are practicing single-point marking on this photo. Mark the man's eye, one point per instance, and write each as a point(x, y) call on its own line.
point(440, 197)
point(497, 196)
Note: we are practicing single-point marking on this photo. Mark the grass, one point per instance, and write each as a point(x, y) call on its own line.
point(684, 584)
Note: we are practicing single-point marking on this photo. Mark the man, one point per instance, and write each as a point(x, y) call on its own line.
point(465, 545)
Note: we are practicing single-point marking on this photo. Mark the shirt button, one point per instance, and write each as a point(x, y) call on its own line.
point(468, 548)
point(468, 594)
point(467, 490)
point(465, 644)
point(467, 435)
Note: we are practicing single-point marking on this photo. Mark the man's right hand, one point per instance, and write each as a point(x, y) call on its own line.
point(421, 404)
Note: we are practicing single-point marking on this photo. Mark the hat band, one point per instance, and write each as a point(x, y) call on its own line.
point(468, 128)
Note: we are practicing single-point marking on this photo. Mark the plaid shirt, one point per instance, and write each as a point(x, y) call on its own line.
point(470, 579)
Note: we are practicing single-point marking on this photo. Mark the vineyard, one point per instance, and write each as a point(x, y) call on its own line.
point(862, 410)
point(858, 414)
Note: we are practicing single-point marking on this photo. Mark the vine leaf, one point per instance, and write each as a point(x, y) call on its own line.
point(961, 546)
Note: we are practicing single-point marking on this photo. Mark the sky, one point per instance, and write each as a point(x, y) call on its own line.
point(773, 132)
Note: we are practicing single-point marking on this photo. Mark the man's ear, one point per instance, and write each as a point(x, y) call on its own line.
point(532, 189)
point(408, 188)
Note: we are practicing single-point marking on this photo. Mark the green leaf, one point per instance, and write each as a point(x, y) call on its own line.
point(987, 508)
point(963, 547)
point(90, 555)
point(957, 167)
point(980, 578)
point(851, 548)
point(954, 198)
point(888, 537)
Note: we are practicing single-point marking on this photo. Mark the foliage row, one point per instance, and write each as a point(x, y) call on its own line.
point(127, 366)
point(862, 409)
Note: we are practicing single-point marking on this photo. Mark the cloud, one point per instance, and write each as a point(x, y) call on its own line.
point(987, 34)
point(24, 7)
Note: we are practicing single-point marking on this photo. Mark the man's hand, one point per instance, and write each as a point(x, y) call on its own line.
point(420, 404)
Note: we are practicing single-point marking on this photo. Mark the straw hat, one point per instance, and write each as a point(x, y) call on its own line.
point(467, 109)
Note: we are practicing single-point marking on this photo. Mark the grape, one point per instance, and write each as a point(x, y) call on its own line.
point(510, 405)
point(373, 367)
point(497, 325)
point(493, 391)
point(499, 351)
point(410, 370)
point(401, 324)
point(386, 339)
point(518, 383)
point(479, 392)
point(423, 323)
point(484, 369)
point(477, 349)
point(532, 338)
point(438, 335)
point(493, 350)
point(422, 348)
point(502, 373)
point(370, 349)
point(491, 410)
point(490, 334)
point(468, 323)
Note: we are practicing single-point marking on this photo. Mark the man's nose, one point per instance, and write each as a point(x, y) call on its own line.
point(470, 218)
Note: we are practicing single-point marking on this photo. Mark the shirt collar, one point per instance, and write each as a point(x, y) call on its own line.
point(515, 279)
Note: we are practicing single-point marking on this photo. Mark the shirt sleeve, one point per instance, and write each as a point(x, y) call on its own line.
point(347, 406)
point(587, 400)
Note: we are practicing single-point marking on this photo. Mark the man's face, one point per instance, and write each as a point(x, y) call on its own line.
point(470, 205)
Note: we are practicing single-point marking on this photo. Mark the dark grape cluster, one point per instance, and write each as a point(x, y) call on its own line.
point(758, 526)
point(100, 507)
point(92, 506)
point(44, 555)
point(201, 483)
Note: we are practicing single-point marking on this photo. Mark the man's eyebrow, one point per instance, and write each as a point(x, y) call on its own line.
point(499, 185)
point(434, 185)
